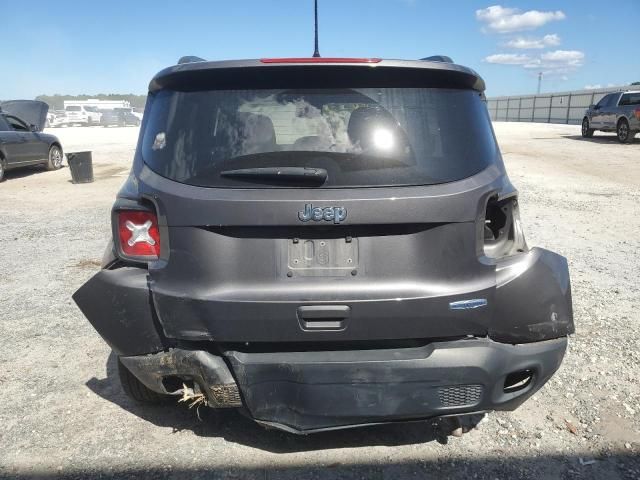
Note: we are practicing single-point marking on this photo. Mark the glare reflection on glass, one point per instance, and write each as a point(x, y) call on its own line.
point(383, 139)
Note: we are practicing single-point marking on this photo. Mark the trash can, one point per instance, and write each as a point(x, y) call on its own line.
point(81, 167)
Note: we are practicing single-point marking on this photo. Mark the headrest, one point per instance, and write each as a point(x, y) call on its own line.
point(372, 127)
point(256, 133)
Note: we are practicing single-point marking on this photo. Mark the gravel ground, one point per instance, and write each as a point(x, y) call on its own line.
point(63, 414)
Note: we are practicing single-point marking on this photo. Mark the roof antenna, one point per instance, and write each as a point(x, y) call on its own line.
point(316, 53)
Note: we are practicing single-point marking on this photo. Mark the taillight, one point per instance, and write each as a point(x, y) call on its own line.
point(636, 112)
point(139, 236)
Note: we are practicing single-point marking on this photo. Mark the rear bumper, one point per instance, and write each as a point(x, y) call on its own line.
point(64, 121)
point(308, 391)
point(303, 392)
point(527, 299)
point(77, 120)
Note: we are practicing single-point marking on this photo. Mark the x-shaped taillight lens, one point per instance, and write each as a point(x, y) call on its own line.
point(139, 234)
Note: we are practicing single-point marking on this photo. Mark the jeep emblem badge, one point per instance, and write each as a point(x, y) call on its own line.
point(319, 214)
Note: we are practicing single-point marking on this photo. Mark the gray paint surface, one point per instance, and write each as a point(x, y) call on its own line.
point(223, 280)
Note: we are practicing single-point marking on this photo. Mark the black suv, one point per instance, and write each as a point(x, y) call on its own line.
point(326, 243)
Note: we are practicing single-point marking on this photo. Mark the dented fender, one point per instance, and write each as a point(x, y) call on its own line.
point(118, 305)
point(530, 302)
point(532, 299)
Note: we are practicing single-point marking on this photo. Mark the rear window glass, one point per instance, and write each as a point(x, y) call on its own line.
point(361, 137)
point(73, 109)
point(630, 99)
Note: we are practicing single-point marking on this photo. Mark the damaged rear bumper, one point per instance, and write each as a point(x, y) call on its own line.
point(207, 371)
point(518, 332)
point(304, 392)
point(526, 298)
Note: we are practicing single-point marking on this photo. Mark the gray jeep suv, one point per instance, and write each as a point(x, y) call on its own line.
point(326, 243)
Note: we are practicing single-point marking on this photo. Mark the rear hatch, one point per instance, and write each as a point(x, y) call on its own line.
point(33, 112)
point(109, 116)
point(74, 112)
point(319, 204)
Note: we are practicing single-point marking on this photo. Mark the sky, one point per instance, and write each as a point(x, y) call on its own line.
point(75, 47)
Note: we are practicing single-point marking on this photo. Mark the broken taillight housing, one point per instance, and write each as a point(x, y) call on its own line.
point(502, 230)
point(139, 236)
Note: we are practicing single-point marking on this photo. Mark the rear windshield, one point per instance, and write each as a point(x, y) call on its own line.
point(73, 109)
point(361, 137)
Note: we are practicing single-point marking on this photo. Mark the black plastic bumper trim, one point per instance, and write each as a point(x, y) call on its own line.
point(304, 392)
point(312, 391)
point(209, 371)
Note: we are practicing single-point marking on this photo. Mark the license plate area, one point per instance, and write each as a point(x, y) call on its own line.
point(328, 257)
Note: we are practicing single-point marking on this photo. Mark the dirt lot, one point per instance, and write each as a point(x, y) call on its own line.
point(62, 412)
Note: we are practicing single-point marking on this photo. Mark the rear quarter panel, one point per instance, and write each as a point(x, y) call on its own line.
point(628, 113)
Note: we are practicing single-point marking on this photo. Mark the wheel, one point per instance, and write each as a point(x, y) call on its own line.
point(55, 158)
point(586, 131)
point(624, 134)
point(1, 169)
point(136, 390)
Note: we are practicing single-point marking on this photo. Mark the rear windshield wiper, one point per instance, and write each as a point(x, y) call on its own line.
point(305, 174)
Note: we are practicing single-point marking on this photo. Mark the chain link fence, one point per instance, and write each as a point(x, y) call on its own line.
point(562, 107)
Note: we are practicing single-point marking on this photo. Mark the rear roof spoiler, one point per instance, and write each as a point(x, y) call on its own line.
point(190, 59)
point(438, 58)
point(194, 75)
point(432, 58)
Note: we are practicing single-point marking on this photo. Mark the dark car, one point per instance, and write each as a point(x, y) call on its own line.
point(326, 243)
point(118, 118)
point(22, 142)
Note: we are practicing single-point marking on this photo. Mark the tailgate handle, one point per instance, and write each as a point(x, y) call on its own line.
point(323, 317)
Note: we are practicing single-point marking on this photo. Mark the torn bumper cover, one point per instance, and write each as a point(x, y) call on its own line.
point(304, 392)
point(512, 355)
point(209, 371)
point(118, 305)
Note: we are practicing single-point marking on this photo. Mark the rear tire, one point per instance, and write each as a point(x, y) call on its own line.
point(624, 134)
point(55, 158)
point(136, 390)
point(586, 131)
point(1, 169)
